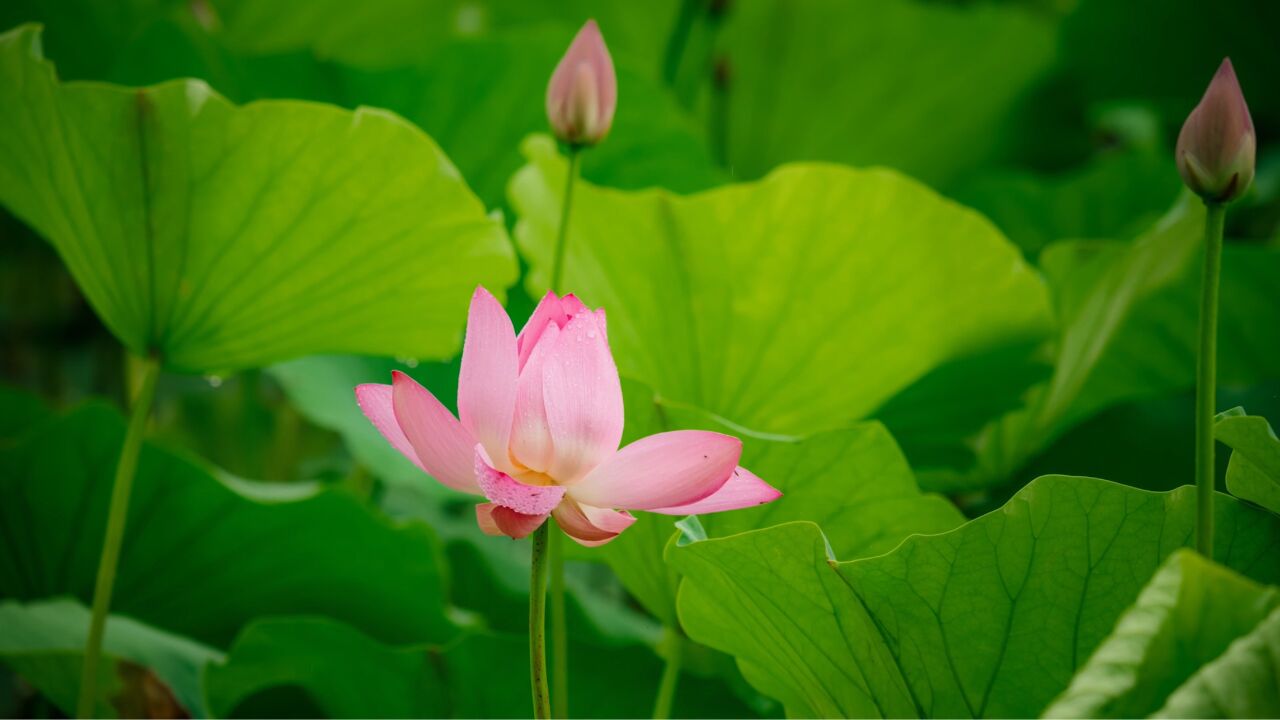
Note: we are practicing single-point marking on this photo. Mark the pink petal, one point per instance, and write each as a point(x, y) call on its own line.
point(589, 525)
point(583, 399)
point(661, 471)
point(743, 489)
point(376, 403)
point(571, 306)
point(530, 437)
point(497, 520)
point(508, 492)
point(444, 448)
point(487, 382)
point(549, 312)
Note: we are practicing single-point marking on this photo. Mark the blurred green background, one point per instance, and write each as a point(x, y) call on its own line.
point(1055, 119)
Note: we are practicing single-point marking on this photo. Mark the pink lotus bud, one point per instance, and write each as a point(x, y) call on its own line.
point(583, 91)
point(1217, 144)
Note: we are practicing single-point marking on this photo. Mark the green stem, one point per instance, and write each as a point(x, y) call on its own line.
point(559, 633)
point(670, 674)
point(1206, 373)
point(678, 40)
point(116, 515)
point(562, 238)
point(538, 624)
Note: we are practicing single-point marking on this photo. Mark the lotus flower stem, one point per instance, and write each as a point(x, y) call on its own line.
point(674, 643)
point(559, 634)
point(678, 40)
point(116, 515)
point(538, 624)
point(1206, 369)
point(559, 628)
point(562, 236)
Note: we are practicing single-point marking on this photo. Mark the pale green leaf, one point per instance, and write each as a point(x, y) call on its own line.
point(854, 483)
point(1254, 471)
point(1243, 683)
point(1186, 616)
point(202, 556)
point(794, 304)
point(44, 641)
point(223, 237)
point(1129, 321)
point(991, 619)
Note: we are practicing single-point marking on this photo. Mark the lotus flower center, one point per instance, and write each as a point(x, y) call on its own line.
point(532, 477)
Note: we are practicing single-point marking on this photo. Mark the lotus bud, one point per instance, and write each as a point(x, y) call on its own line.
point(583, 91)
point(1217, 144)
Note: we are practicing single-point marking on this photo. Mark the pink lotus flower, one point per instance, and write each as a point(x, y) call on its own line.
point(583, 92)
point(541, 419)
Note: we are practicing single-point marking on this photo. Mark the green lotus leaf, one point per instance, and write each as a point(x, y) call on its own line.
point(1243, 682)
point(989, 620)
point(1254, 470)
point(342, 672)
point(1186, 616)
point(44, 642)
point(854, 483)
point(793, 305)
point(221, 237)
point(202, 555)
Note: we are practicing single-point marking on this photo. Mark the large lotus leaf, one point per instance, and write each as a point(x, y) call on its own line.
point(1186, 616)
point(922, 87)
point(991, 619)
point(794, 304)
point(223, 237)
point(1243, 682)
point(44, 642)
point(344, 673)
point(854, 483)
point(1129, 317)
point(203, 555)
point(1254, 471)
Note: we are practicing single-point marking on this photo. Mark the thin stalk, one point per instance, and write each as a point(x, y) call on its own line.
point(116, 515)
point(670, 674)
point(678, 40)
point(538, 624)
point(1206, 373)
point(559, 632)
point(562, 239)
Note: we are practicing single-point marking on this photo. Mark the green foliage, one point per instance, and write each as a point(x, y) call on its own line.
point(854, 483)
point(868, 339)
point(1243, 682)
point(824, 81)
point(1254, 472)
point(203, 555)
point(991, 619)
point(45, 642)
point(713, 295)
point(225, 237)
point(1186, 616)
point(345, 673)
point(1128, 314)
